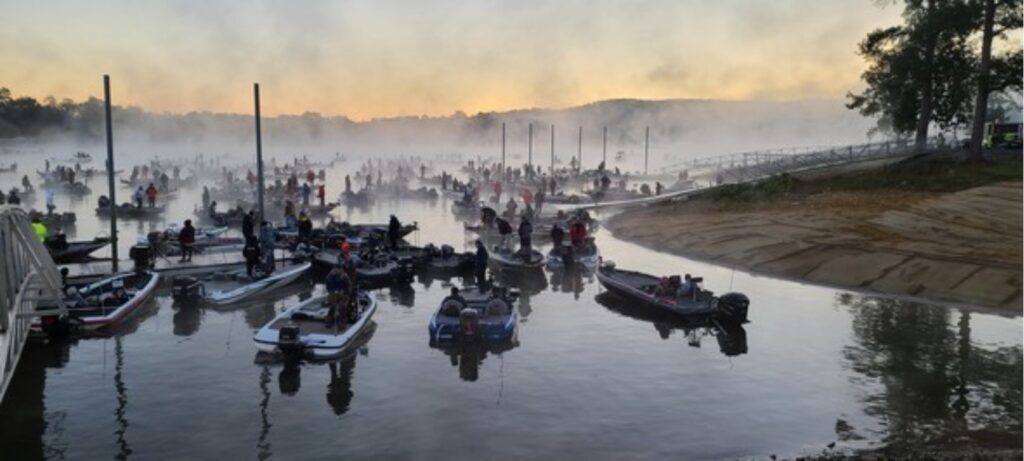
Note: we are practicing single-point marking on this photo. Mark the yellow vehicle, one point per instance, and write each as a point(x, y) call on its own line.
point(1002, 135)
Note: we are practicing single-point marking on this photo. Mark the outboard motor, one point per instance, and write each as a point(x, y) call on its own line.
point(733, 307)
point(185, 287)
point(469, 324)
point(288, 339)
point(142, 256)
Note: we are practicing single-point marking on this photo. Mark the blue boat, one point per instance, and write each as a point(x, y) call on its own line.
point(476, 315)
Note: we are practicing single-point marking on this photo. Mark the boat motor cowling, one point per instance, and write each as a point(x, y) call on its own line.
point(142, 255)
point(734, 306)
point(288, 339)
point(184, 286)
point(469, 324)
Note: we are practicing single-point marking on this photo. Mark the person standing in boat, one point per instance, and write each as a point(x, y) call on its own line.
point(40, 228)
point(577, 233)
point(557, 235)
point(151, 195)
point(497, 191)
point(394, 232)
point(139, 196)
point(337, 285)
point(268, 238)
point(305, 228)
point(187, 240)
point(525, 232)
point(480, 264)
point(249, 224)
point(504, 230)
point(251, 253)
point(306, 192)
point(289, 215)
point(50, 202)
point(206, 198)
point(348, 184)
point(321, 194)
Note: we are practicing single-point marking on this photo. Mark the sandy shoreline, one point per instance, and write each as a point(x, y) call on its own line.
point(960, 248)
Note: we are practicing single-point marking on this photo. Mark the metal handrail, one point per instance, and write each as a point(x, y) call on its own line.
point(28, 275)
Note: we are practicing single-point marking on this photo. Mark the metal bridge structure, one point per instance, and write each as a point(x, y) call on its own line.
point(747, 167)
point(28, 279)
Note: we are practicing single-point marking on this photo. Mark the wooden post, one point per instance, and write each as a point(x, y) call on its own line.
point(259, 149)
point(503, 178)
point(579, 152)
point(552, 150)
point(647, 144)
point(529, 155)
point(110, 174)
point(604, 147)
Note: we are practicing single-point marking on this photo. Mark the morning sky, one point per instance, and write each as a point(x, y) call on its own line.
point(368, 59)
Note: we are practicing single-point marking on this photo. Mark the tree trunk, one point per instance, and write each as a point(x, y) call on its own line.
point(981, 99)
point(926, 84)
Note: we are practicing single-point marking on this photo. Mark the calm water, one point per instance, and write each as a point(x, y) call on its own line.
point(590, 379)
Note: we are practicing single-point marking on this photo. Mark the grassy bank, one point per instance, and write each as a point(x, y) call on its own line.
point(936, 175)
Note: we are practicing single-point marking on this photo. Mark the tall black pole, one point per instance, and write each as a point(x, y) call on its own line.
point(529, 155)
point(259, 149)
point(604, 146)
point(110, 173)
point(647, 144)
point(503, 178)
point(552, 150)
point(579, 152)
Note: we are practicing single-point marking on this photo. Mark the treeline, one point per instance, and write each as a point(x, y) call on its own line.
point(941, 66)
point(26, 117)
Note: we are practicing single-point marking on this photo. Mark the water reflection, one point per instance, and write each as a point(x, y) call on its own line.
point(187, 319)
point(569, 279)
point(25, 419)
point(403, 295)
point(468, 356)
point(731, 339)
point(120, 412)
point(937, 388)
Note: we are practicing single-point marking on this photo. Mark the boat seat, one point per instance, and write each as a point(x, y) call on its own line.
point(497, 307)
point(451, 308)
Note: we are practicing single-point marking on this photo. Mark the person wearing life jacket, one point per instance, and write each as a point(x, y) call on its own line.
point(151, 195)
point(577, 233)
point(346, 249)
point(39, 228)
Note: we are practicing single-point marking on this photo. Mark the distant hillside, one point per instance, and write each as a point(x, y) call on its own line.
point(679, 128)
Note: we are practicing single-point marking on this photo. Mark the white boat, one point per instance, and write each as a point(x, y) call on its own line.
point(278, 279)
point(302, 328)
point(105, 302)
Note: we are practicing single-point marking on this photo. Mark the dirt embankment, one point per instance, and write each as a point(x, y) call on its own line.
point(962, 247)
